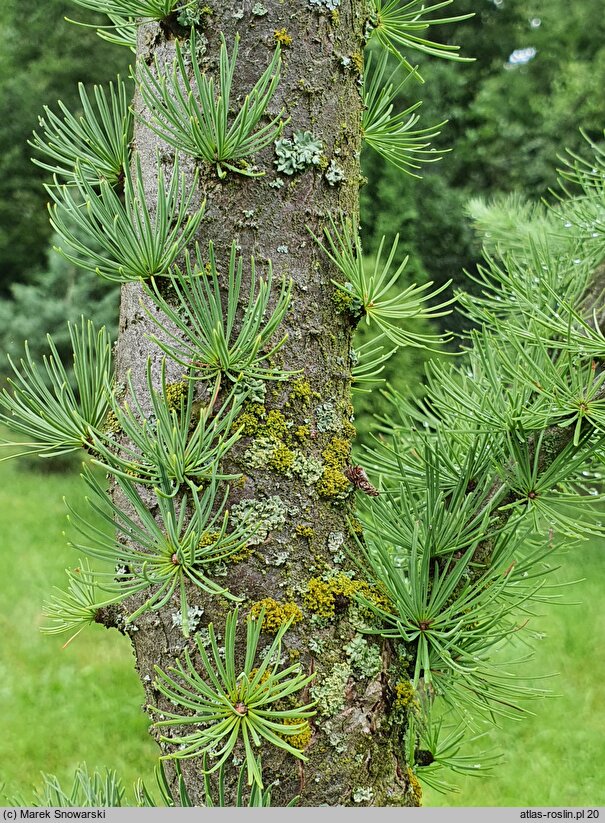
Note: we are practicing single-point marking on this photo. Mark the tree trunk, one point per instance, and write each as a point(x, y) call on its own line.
point(355, 756)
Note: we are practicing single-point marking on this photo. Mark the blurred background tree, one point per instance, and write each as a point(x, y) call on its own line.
point(42, 58)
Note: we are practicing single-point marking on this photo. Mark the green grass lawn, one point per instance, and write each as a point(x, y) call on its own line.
point(557, 756)
point(58, 707)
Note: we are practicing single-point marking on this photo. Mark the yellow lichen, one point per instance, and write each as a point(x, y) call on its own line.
point(302, 432)
point(342, 300)
point(207, 539)
point(357, 60)
point(337, 452)
point(414, 787)
point(305, 531)
point(321, 594)
point(264, 676)
point(301, 389)
point(281, 460)
point(333, 483)
point(349, 430)
point(404, 694)
point(275, 426)
point(320, 597)
point(282, 37)
point(301, 738)
point(175, 393)
point(111, 424)
point(276, 613)
point(242, 554)
point(248, 423)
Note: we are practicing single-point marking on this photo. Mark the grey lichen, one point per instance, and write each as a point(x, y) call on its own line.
point(334, 173)
point(194, 617)
point(309, 469)
point(260, 452)
point(326, 4)
point(329, 691)
point(363, 794)
point(316, 645)
point(335, 542)
point(192, 14)
point(278, 559)
point(255, 390)
point(338, 739)
point(264, 516)
point(258, 10)
point(298, 153)
point(326, 418)
point(364, 657)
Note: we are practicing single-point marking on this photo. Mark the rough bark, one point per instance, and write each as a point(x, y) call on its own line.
point(356, 753)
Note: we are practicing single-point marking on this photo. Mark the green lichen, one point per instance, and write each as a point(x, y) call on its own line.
point(335, 546)
point(254, 389)
point(264, 516)
point(258, 454)
point(192, 15)
point(275, 613)
point(316, 645)
point(302, 432)
point(326, 4)
point(364, 657)
point(329, 691)
point(194, 617)
point(258, 10)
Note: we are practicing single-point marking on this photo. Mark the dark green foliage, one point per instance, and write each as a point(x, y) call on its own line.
point(54, 295)
point(42, 59)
